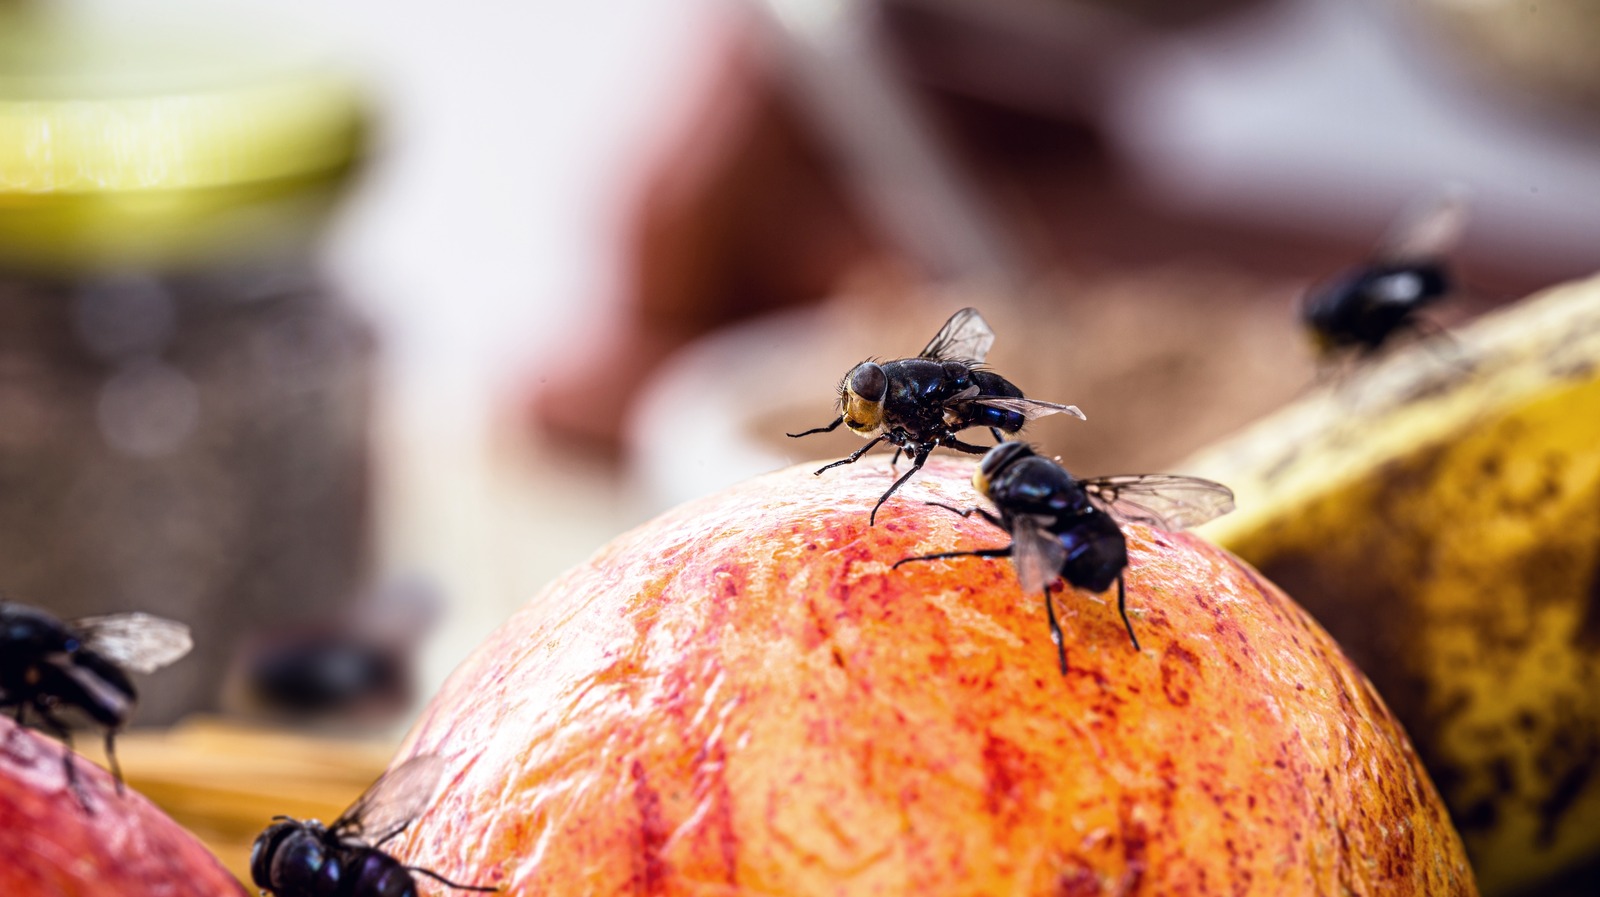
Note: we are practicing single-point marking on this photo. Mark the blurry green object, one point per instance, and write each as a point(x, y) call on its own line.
point(183, 398)
point(117, 147)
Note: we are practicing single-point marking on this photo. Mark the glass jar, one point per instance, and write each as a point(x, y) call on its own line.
point(183, 398)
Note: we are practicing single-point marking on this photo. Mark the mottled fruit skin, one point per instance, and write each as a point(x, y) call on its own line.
point(51, 846)
point(742, 698)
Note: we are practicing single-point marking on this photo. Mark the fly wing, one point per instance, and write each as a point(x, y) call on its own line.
point(1030, 409)
point(965, 337)
point(1165, 501)
point(138, 642)
point(1427, 229)
point(1037, 553)
point(392, 802)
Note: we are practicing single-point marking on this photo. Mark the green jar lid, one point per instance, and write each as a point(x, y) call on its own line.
point(122, 144)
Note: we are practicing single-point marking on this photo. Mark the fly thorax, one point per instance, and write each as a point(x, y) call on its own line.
point(382, 876)
point(957, 375)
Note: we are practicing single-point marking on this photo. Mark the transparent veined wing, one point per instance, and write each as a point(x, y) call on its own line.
point(1427, 228)
point(965, 337)
point(1036, 552)
point(1030, 409)
point(138, 642)
point(392, 802)
point(1165, 501)
point(965, 395)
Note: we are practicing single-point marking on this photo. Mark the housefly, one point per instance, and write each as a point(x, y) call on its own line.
point(919, 404)
point(1363, 307)
point(49, 667)
point(304, 858)
point(1066, 527)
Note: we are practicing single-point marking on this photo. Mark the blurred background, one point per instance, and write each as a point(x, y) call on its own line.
point(339, 329)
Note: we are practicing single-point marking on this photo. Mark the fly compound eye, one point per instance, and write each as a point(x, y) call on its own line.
point(265, 849)
point(868, 382)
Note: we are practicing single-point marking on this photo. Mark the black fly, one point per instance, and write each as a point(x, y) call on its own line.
point(1067, 527)
point(918, 404)
point(295, 858)
point(353, 669)
point(1362, 308)
point(50, 666)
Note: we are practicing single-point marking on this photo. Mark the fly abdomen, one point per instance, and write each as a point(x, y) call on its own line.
point(1096, 552)
point(984, 416)
point(376, 874)
point(991, 384)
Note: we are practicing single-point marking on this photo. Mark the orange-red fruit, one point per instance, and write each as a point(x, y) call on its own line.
point(742, 698)
point(51, 845)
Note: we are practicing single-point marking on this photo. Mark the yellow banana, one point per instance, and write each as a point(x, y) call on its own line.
point(1439, 512)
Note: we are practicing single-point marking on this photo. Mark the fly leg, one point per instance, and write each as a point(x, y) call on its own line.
point(979, 553)
point(999, 435)
point(440, 878)
point(111, 760)
point(1055, 630)
point(967, 447)
point(56, 728)
point(828, 429)
point(1435, 337)
point(969, 512)
point(1122, 608)
point(17, 715)
point(854, 456)
point(918, 458)
point(898, 437)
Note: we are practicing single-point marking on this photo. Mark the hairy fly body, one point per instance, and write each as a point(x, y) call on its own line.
point(49, 667)
point(1068, 528)
point(919, 404)
point(304, 858)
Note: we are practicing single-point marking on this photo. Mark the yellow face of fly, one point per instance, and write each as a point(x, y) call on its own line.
point(980, 482)
point(862, 416)
point(862, 394)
